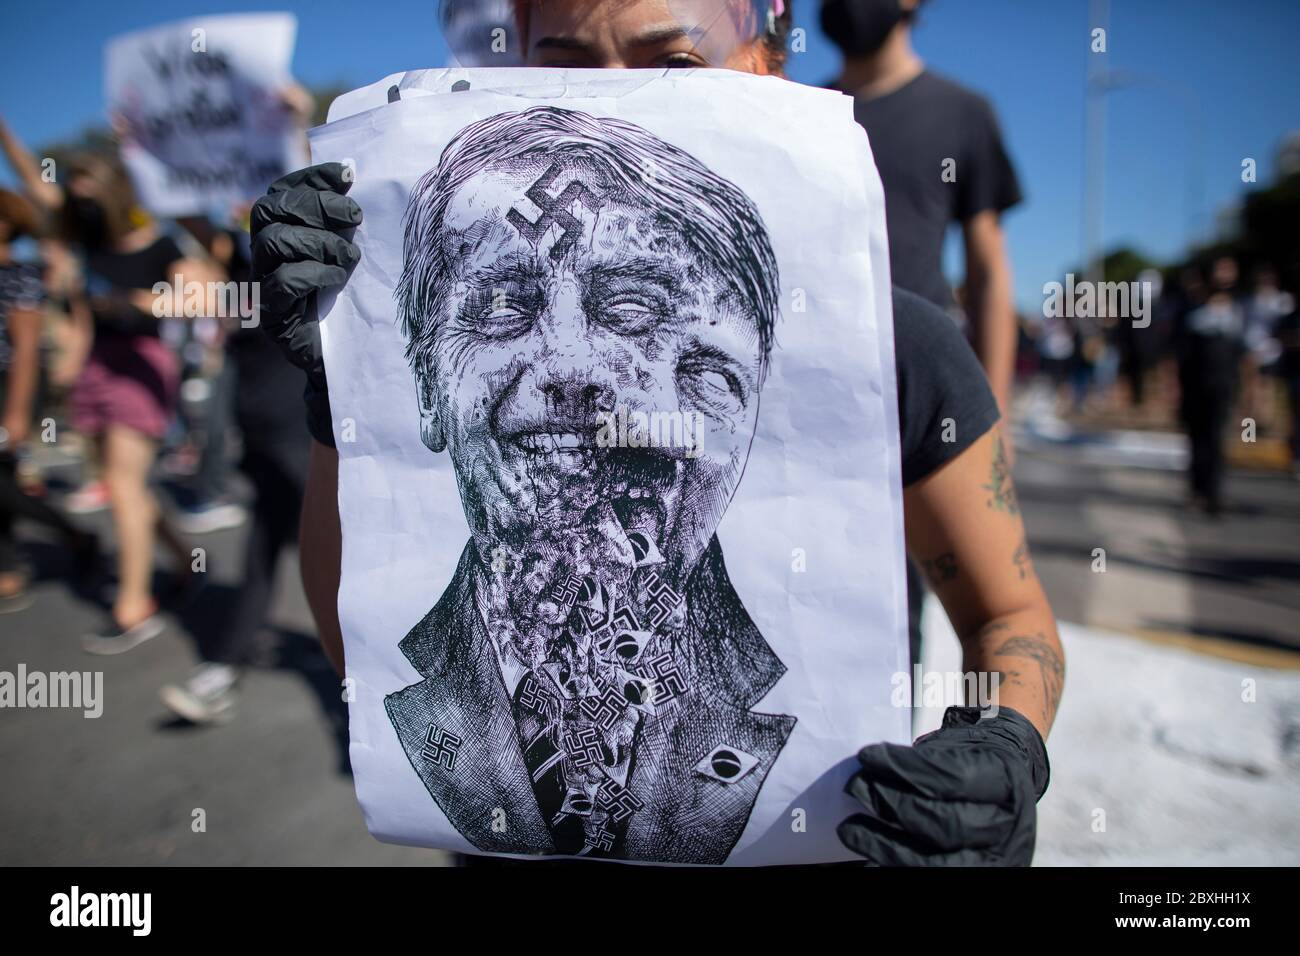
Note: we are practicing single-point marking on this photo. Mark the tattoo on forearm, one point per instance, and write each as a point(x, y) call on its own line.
point(1051, 667)
point(988, 630)
point(1021, 558)
point(940, 569)
point(1010, 678)
point(1002, 492)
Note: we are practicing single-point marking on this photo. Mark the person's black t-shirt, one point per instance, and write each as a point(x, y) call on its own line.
point(268, 400)
point(914, 131)
point(108, 271)
point(939, 379)
point(133, 270)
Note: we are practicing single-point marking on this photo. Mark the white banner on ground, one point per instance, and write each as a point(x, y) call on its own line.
point(200, 110)
point(618, 465)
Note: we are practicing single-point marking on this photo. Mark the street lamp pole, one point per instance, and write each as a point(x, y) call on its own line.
point(1094, 177)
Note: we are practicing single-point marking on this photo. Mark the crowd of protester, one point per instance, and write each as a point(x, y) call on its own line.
point(152, 409)
point(1221, 347)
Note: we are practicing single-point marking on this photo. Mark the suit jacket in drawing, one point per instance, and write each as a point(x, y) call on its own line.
point(697, 766)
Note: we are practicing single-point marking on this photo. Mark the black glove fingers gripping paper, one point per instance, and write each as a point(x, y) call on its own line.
point(942, 825)
point(969, 787)
point(278, 243)
point(333, 176)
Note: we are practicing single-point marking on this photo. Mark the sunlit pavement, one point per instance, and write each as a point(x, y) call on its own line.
point(1161, 755)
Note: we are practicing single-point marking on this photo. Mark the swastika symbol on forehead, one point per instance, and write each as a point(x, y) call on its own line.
point(554, 209)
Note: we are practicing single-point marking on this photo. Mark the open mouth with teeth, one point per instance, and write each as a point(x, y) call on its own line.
point(574, 478)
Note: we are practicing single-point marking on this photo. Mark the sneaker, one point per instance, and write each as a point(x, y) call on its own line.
point(115, 640)
point(89, 498)
point(207, 516)
point(208, 697)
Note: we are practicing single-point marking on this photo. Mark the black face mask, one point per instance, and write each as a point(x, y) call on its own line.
point(87, 221)
point(860, 27)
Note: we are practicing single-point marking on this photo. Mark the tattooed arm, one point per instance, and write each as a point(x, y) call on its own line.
point(964, 531)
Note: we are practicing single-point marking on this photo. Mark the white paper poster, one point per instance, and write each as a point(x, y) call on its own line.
point(619, 468)
point(201, 103)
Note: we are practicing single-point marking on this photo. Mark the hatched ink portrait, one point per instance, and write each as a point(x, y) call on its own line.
point(589, 674)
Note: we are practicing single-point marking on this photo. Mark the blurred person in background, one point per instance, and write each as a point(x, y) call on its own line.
point(198, 462)
point(125, 395)
point(1056, 347)
point(1134, 348)
point(203, 502)
point(1139, 348)
point(1089, 349)
point(942, 161)
point(267, 410)
point(1287, 333)
point(920, 124)
point(62, 283)
point(22, 294)
point(1183, 289)
point(1265, 307)
point(1209, 341)
point(268, 413)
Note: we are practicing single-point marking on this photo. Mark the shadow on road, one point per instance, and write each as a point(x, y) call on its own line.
point(1241, 636)
point(1248, 572)
point(1074, 496)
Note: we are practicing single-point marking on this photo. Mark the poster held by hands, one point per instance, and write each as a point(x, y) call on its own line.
point(199, 105)
point(618, 474)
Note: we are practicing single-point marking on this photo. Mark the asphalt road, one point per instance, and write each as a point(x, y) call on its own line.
point(1228, 586)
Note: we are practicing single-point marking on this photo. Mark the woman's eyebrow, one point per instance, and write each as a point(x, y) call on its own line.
point(563, 43)
point(656, 36)
point(651, 36)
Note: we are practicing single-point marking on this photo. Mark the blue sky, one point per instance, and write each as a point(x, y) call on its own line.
point(1229, 70)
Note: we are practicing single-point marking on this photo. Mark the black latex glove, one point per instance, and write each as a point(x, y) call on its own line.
point(300, 242)
point(963, 795)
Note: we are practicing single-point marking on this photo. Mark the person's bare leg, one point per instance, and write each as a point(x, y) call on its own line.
point(128, 456)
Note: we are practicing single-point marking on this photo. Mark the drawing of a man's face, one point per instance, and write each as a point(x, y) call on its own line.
point(568, 301)
point(536, 345)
